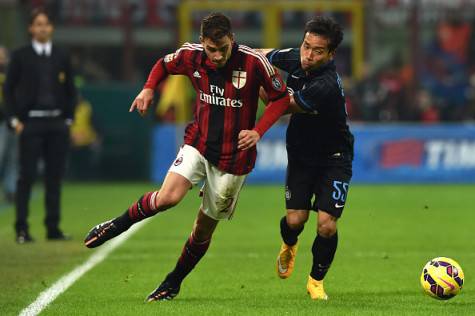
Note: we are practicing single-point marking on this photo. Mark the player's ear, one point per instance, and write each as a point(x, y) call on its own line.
point(231, 37)
point(201, 39)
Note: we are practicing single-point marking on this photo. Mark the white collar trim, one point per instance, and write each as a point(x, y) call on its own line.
point(42, 47)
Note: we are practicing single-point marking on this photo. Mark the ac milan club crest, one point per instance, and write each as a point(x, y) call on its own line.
point(178, 161)
point(239, 79)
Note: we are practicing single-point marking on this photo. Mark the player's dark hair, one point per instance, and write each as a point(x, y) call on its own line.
point(326, 27)
point(37, 12)
point(215, 26)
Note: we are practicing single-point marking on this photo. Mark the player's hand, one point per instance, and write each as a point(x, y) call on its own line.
point(247, 139)
point(142, 102)
point(19, 128)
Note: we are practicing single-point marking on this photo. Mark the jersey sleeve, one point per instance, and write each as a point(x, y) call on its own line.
point(170, 64)
point(312, 97)
point(286, 59)
point(271, 80)
point(276, 91)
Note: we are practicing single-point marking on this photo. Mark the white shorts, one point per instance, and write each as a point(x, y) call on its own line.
point(220, 189)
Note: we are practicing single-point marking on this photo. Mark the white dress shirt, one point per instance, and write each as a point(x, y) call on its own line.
point(41, 48)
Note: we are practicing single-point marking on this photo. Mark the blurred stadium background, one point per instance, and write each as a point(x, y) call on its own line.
point(409, 77)
point(408, 67)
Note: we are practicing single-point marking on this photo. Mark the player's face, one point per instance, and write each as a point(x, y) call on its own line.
point(41, 29)
point(218, 51)
point(314, 51)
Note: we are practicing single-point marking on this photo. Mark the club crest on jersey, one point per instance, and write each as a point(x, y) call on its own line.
point(239, 79)
point(178, 161)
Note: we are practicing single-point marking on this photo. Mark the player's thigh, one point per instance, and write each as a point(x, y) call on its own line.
point(220, 193)
point(187, 170)
point(190, 164)
point(172, 191)
point(299, 184)
point(332, 189)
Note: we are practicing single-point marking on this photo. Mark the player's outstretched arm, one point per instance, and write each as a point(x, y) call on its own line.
point(293, 106)
point(143, 101)
point(171, 64)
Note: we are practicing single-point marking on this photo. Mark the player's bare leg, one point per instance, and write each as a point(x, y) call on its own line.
point(290, 227)
point(193, 250)
point(174, 188)
point(323, 249)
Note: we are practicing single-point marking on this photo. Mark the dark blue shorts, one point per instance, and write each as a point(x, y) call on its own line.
point(323, 186)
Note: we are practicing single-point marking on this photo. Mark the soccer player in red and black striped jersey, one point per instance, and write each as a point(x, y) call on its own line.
point(219, 146)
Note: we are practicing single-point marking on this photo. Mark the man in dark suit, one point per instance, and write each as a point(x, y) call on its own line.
point(40, 97)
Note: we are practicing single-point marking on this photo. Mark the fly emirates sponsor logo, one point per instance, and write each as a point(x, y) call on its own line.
point(217, 98)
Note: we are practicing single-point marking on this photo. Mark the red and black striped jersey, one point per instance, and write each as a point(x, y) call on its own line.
point(226, 101)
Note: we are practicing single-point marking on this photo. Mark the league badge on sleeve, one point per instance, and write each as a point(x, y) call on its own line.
point(276, 83)
point(239, 79)
point(168, 58)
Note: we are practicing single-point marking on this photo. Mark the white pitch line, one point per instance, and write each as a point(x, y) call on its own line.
point(51, 293)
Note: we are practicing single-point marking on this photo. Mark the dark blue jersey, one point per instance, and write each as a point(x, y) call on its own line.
point(321, 131)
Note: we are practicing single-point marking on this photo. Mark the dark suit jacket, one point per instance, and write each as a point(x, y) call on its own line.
point(21, 86)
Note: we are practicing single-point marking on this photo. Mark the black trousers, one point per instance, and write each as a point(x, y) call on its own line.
point(46, 138)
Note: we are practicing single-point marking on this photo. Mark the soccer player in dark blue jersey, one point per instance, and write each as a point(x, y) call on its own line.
point(319, 148)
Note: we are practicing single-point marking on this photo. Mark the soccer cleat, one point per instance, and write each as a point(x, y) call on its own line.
point(102, 233)
point(315, 289)
point(164, 292)
point(286, 260)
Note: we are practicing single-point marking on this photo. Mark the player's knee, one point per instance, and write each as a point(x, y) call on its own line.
point(327, 228)
point(166, 199)
point(297, 220)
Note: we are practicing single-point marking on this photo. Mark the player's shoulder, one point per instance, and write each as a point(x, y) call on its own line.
point(186, 50)
point(257, 57)
point(189, 48)
point(291, 54)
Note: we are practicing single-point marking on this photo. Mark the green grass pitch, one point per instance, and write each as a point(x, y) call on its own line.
point(387, 233)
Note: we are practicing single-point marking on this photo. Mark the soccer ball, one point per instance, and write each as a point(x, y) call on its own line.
point(442, 278)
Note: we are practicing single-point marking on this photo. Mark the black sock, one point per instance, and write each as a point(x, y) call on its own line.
point(323, 251)
point(289, 235)
point(191, 254)
point(123, 221)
